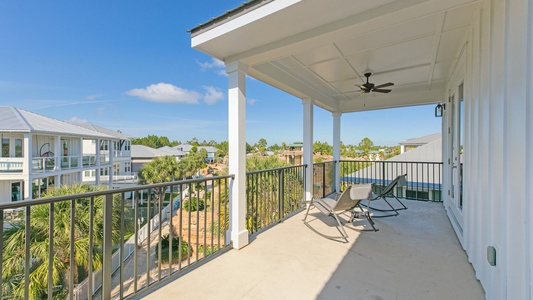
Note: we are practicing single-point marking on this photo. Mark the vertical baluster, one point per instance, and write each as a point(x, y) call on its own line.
point(91, 247)
point(107, 247)
point(122, 212)
point(180, 229)
point(50, 250)
point(189, 224)
point(27, 253)
point(159, 232)
point(72, 258)
point(205, 218)
point(148, 239)
point(212, 214)
point(170, 231)
point(136, 241)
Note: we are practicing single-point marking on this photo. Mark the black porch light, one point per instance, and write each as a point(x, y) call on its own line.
point(439, 110)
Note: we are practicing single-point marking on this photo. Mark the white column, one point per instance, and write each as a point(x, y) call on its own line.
point(402, 147)
point(97, 168)
point(58, 152)
point(112, 168)
point(237, 152)
point(27, 165)
point(308, 147)
point(337, 148)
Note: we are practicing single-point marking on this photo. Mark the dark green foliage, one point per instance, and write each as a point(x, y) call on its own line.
point(176, 244)
point(194, 204)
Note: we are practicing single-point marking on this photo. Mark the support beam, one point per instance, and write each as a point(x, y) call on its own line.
point(337, 149)
point(237, 152)
point(308, 147)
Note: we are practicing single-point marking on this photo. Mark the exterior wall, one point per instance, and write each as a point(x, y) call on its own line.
point(497, 67)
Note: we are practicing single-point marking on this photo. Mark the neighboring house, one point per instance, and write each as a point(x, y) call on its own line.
point(413, 143)
point(423, 179)
point(141, 155)
point(39, 153)
point(211, 151)
point(174, 152)
point(293, 155)
point(121, 155)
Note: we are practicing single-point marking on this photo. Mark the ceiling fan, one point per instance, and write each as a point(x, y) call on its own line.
point(370, 87)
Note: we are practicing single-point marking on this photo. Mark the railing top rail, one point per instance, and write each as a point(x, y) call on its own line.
point(393, 161)
point(275, 169)
point(324, 162)
point(26, 203)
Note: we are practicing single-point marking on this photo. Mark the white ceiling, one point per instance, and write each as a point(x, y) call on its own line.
point(321, 49)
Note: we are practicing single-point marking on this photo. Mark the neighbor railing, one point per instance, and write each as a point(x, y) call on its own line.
point(273, 195)
point(11, 164)
point(82, 234)
point(324, 178)
point(424, 179)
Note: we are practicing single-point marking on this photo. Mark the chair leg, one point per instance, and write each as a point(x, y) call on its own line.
point(308, 208)
point(369, 219)
point(341, 227)
point(401, 203)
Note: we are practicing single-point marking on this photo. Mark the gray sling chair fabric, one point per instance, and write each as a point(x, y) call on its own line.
point(388, 191)
point(348, 200)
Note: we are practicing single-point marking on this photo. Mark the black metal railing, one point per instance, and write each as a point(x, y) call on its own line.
point(324, 178)
point(75, 246)
point(424, 179)
point(272, 195)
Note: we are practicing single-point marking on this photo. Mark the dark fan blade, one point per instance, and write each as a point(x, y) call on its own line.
point(381, 91)
point(383, 85)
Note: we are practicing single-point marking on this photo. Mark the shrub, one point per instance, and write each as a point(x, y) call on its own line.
point(165, 245)
point(194, 204)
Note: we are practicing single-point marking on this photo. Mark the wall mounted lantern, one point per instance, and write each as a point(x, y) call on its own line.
point(439, 110)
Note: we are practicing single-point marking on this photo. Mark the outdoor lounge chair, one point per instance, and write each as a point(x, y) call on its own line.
point(348, 200)
point(387, 191)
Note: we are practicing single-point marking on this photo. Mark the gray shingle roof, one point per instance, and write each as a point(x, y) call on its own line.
point(422, 140)
point(110, 132)
point(141, 151)
point(13, 119)
point(172, 151)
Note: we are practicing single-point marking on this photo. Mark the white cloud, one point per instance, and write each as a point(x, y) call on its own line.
point(212, 95)
point(166, 93)
point(76, 120)
point(92, 97)
point(252, 101)
point(213, 64)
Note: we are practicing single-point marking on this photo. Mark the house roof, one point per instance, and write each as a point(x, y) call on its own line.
point(141, 151)
point(187, 148)
point(321, 50)
point(110, 132)
point(172, 151)
point(422, 140)
point(430, 152)
point(14, 119)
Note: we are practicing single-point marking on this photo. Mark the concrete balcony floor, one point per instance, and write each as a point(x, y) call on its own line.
point(415, 255)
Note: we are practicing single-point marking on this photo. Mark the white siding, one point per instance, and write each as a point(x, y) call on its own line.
point(498, 163)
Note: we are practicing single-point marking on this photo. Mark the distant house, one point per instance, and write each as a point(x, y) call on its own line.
point(174, 152)
point(419, 141)
point(211, 151)
point(121, 153)
point(424, 179)
point(293, 155)
point(141, 155)
point(39, 153)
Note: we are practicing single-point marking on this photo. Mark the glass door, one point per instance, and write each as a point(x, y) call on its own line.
point(456, 132)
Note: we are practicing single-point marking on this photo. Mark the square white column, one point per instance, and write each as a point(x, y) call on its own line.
point(337, 149)
point(308, 147)
point(237, 152)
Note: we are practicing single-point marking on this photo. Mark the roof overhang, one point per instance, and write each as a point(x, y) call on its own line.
point(321, 49)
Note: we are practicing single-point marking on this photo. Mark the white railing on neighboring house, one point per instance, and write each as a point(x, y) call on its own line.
point(11, 164)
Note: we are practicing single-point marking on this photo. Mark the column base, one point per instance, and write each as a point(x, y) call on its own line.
point(239, 239)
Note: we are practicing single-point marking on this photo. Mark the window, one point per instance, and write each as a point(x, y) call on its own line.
point(128, 143)
point(18, 147)
point(5, 147)
point(16, 191)
point(104, 145)
point(104, 172)
point(127, 167)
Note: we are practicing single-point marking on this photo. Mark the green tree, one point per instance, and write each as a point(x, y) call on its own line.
point(222, 150)
point(153, 141)
point(323, 148)
point(365, 145)
point(14, 243)
point(256, 162)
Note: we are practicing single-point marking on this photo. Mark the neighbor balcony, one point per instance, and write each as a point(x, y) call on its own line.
point(11, 164)
point(413, 255)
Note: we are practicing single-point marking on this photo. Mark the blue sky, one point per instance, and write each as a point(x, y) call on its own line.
point(129, 66)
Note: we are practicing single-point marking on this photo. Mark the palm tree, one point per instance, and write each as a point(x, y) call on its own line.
point(14, 242)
